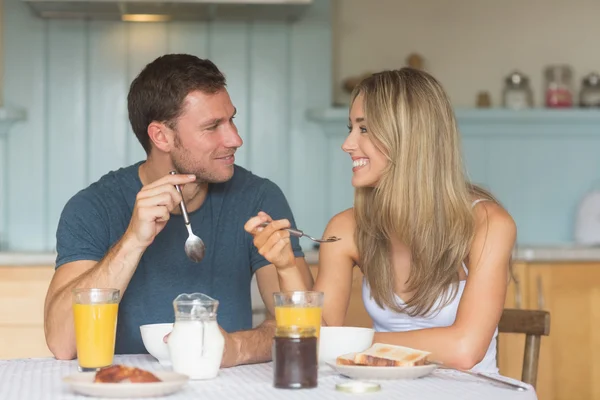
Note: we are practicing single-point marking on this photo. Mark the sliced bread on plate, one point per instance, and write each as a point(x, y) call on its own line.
point(385, 355)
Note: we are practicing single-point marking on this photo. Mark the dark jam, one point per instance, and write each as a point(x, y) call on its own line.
point(295, 364)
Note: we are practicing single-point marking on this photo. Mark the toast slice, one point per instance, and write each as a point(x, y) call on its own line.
point(386, 355)
point(346, 359)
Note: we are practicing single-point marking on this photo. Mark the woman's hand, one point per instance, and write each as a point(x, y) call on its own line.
point(272, 241)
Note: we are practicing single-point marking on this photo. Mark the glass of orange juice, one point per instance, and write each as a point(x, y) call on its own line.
point(302, 309)
point(95, 316)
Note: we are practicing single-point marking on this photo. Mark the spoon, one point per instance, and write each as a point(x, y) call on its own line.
point(194, 246)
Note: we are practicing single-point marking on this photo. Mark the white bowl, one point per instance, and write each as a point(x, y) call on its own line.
point(152, 336)
point(335, 341)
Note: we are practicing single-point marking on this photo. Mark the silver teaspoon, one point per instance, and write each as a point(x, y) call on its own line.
point(194, 246)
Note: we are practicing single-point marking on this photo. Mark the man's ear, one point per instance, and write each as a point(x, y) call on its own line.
point(161, 136)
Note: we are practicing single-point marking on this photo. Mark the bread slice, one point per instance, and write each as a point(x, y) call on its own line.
point(346, 359)
point(387, 355)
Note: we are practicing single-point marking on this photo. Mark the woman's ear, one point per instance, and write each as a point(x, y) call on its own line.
point(161, 136)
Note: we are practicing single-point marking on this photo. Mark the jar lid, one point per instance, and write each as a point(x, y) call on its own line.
point(592, 79)
point(517, 79)
point(358, 387)
point(558, 72)
point(295, 332)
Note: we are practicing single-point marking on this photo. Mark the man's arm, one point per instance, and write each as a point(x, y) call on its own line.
point(254, 346)
point(249, 347)
point(113, 271)
point(150, 214)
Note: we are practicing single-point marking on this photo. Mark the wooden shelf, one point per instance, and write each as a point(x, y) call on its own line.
point(331, 118)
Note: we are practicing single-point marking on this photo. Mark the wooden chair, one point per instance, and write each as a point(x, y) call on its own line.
point(534, 324)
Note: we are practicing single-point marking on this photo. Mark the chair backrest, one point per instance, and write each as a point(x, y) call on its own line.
point(534, 324)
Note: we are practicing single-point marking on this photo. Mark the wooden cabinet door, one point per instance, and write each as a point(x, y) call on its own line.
point(356, 314)
point(511, 346)
point(569, 366)
point(22, 294)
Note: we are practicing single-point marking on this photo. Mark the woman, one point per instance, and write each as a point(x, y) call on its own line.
point(435, 250)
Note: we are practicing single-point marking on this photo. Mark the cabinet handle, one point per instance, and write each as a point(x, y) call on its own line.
point(540, 288)
point(517, 294)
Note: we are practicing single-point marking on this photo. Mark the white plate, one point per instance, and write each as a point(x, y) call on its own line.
point(375, 373)
point(83, 383)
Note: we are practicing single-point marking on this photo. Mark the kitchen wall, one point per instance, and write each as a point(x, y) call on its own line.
point(72, 78)
point(470, 45)
point(539, 163)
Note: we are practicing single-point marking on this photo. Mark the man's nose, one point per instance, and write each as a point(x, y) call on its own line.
point(233, 139)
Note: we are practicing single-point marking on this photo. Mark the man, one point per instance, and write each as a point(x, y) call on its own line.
point(125, 231)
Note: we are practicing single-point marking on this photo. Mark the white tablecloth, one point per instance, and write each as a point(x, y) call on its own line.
point(32, 379)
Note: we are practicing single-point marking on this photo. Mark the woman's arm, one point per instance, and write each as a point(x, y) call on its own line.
point(464, 344)
point(336, 261)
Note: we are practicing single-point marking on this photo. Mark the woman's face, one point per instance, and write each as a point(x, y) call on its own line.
point(368, 163)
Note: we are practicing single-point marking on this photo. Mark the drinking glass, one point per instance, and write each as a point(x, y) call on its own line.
point(302, 309)
point(95, 317)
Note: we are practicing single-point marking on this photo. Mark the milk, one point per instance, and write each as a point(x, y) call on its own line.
point(185, 347)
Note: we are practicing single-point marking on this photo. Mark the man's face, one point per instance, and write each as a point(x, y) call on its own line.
point(206, 137)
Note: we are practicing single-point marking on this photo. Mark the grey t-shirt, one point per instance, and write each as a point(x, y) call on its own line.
point(97, 217)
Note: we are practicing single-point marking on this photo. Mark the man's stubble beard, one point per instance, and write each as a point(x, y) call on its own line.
point(183, 167)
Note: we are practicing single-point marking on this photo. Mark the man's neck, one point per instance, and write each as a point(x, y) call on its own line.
point(194, 194)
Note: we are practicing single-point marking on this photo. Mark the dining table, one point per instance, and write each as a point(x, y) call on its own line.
point(43, 378)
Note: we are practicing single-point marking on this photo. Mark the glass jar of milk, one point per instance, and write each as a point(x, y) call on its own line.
point(196, 343)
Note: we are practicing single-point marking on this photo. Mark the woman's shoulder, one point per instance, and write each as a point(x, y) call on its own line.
point(344, 219)
point(491, 215)
point(495, 233)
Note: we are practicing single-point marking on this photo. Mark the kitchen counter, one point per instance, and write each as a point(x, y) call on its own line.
point(522, 253)
point(27, 258)
point(558, 253)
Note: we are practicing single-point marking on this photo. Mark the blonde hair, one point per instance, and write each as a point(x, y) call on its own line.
point(423, 198)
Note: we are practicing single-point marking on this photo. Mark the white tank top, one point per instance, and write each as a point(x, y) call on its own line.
point(386, 320)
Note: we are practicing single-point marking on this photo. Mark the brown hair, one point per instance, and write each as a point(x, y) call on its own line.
point(158, 92)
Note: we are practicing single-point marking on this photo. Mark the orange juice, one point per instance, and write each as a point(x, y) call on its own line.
point(299, 316)
point(95, 331)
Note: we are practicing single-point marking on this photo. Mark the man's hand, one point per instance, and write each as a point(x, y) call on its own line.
point(153, 205)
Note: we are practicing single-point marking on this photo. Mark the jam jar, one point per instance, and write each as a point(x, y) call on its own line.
point(559, 90)
point(295, 364)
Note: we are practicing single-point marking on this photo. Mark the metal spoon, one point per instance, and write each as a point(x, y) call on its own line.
point(194, 246)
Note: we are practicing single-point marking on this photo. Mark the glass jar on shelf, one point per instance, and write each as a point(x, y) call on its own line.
point(558, 86)
point(517, 93)
point(589, 96)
